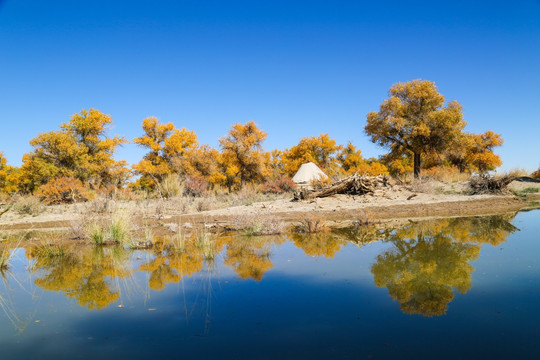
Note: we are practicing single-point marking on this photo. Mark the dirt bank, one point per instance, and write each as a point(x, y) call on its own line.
point(336, 210)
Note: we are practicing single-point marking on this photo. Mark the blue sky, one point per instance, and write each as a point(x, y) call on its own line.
point(297, 68)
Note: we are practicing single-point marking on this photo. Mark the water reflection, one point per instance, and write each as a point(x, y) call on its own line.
point(249, 257)
point(427, 262)
point(430, 259)
point(84, 273)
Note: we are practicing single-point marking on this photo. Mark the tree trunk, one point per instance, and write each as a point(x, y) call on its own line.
point(416, 165)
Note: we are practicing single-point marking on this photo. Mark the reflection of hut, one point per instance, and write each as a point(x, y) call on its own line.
point(307, 173)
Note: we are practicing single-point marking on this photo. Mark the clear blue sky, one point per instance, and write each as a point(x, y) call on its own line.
point(298, 68)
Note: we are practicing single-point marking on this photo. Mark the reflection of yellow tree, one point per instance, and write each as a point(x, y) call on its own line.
point(321, 244)
point(84, 275)
point(170, 264)
point(430, 259)
point(250, 256)
point(421, 273)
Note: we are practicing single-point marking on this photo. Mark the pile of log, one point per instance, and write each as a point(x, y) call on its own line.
point(352, 185)
point(486, 184)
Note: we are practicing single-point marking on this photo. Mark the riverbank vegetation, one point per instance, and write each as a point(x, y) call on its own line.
point(76, 162)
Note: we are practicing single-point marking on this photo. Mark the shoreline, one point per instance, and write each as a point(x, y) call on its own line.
point(337, 211)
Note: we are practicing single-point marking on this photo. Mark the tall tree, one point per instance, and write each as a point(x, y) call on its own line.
point(167, 147)
point(242, 153)
point(80, 149)
point(415, 119)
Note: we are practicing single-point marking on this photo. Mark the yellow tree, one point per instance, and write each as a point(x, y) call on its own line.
point(352, 161)
point(415, 119)
point(167, 147)
point(242, 154)
point(480, 155)
point(204, 162)
point(9, 176)
point(80, 149)
point(321, 150)
point(474, 152)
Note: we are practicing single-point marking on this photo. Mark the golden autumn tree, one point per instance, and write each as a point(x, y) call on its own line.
point(80, 149)
point(167, 147)
point(204, 162)
point(474, 152)
point(352, 161)
point(9, 176)
point(414, 119)
point(242, 156)
point(480, 155)
point(321, 150)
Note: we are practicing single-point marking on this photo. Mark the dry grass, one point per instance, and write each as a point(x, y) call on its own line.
point(447, 174)
point(258, 224)
point(28, 205)
point(206, 243)
point(5, 257)
point(364, 218)
point(311, 224)
point(172, 186)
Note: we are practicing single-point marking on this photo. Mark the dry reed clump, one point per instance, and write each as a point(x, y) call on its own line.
point(206, 243)
point(447, 174)
point(5, 257)
point(101, 205)
point(311, 224)
point(28, 205)
point(171, 186)
point(49, 250)
point(113, 227)
point(258, 224)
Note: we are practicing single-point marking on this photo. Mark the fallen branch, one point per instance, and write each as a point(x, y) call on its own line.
point(352, 185)
point(486, 184)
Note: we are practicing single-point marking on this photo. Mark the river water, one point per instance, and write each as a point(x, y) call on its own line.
point(452, 288)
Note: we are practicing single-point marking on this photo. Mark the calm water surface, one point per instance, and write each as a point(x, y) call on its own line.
point(453, 288)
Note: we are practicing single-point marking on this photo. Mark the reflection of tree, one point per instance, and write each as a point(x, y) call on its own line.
point(362, 234)
point(430, 259)
point(319, 244)
point(250, 256)
point(84, 275)
point(170, 264)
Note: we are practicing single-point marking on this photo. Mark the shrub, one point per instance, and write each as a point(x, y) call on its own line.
point(195, 186)
point(278, 186)
point(63, 190)
point(536, 174)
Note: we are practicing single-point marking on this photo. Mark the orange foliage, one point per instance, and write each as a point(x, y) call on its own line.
point(63, 190)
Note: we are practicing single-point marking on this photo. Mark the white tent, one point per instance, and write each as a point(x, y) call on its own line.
point(308, 172)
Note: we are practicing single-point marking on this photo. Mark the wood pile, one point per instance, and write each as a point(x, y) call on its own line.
point(486, 184)
point(352, 185)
